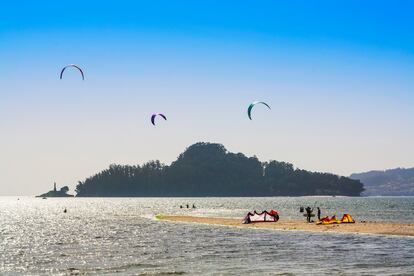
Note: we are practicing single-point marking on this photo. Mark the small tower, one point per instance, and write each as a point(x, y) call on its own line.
point(54, 186)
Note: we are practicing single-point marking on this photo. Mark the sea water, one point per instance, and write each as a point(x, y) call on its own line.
point(120, 236)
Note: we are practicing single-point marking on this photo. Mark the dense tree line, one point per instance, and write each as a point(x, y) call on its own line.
point(207, 169)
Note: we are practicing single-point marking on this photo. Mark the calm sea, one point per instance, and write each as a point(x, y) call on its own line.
point(120, 236)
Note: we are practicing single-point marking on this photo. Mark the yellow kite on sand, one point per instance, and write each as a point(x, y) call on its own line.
point(346, 218)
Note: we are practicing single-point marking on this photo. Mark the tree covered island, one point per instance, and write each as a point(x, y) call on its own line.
point(207, 169)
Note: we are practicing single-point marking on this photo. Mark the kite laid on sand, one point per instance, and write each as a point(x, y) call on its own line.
point(249, 110)
point(74, 66)
point(155, 115)
point(265, 216)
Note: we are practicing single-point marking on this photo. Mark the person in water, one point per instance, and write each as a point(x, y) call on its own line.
point(188, 206)
point(64, 211)
point(309, 211)
point(319, 214)
point(194, 206)
point(181, 206)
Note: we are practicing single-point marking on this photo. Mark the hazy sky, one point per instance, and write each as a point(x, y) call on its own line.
point(337, 74)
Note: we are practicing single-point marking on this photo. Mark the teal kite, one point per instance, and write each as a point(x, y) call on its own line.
point(249, 110)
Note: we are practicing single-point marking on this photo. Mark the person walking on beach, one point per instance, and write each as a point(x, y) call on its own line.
point(309, 211)
point(319, 214)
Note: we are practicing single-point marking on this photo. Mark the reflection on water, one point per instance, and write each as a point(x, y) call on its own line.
point(103, 235)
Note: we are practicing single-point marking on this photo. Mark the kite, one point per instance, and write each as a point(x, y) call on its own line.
point(155, 115)
point(249, 110)
point(74, 66)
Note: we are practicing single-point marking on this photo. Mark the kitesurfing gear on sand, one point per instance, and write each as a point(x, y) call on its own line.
point(346, 218)
point(264, 216)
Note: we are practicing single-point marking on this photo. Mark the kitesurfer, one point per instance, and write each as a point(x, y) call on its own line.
point(309, 211)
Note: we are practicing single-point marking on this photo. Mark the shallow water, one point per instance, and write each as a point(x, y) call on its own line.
point(120, 236)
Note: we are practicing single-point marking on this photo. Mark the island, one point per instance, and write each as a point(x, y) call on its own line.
point(208, 169)
point(55, 193)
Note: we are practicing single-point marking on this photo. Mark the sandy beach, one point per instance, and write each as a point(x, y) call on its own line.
point(375, 228)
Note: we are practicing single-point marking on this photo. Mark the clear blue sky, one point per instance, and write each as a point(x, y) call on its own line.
point(339, 78)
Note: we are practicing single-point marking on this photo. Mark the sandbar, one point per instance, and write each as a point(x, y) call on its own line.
point(369, 227)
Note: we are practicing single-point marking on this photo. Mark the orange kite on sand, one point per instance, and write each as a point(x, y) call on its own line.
point(346, 218)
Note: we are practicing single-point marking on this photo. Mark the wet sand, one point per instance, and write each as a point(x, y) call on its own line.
point(375, 228)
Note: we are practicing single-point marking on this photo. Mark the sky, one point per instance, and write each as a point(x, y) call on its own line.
point(338, 76)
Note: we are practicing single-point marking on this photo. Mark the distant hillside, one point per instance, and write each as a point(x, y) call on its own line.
point(395, 182)
point(206, 169)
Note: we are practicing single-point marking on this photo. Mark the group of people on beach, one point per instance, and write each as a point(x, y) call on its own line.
point(188, 206)
point(309, 213)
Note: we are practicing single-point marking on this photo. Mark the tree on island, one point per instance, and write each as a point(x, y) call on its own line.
point(208, 169)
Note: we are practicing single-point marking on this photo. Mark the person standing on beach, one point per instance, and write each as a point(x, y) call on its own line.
point(319, 214)
point(308, 213)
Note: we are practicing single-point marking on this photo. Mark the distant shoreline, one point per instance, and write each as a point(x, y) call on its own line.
point(373, 228)
point(324, 196)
